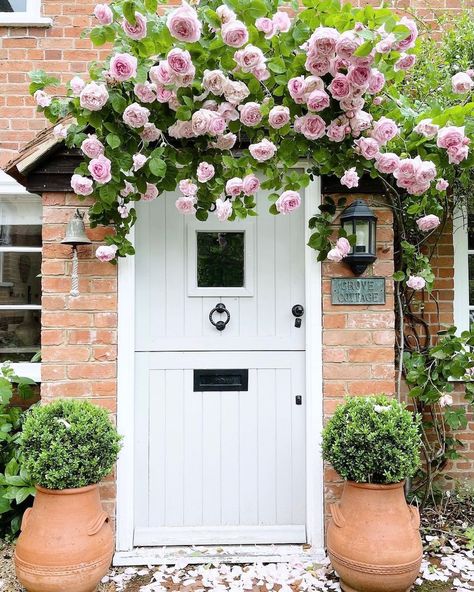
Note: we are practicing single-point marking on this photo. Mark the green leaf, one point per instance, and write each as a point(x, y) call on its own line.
point(398, 276)
point(113, 140)
point(151, 5)
point(98, 36)
point(157, 167)
point(129, 10)
point(277, 65)
point(364, 49)
point(118, 102)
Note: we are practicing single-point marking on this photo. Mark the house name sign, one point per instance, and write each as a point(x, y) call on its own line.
point(370, 290)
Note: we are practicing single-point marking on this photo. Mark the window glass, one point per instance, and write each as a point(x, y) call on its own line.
point(471, 280)
point(220, 259)
point(12, 5)
point(20, 282)
point(470, 232)
point(20, 332)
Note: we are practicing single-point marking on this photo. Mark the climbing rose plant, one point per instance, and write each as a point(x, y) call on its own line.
point(219, 100)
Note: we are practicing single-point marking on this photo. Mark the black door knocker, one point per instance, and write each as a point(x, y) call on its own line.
point(221, 309)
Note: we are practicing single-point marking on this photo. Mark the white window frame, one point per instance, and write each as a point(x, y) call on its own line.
point(461, 271)
point(31, 17)
point(9, 188)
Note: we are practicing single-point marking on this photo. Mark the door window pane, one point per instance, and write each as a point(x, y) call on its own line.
point(20, 332)
point(19, 278)
point(220, 259)
point(13, 5)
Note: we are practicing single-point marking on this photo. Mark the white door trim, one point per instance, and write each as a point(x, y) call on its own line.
point(126, 554)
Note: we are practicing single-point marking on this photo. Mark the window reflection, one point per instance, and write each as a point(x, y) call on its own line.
point(220, 259)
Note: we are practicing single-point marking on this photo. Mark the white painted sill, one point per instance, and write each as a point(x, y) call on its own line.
point(23, 20)
point(28, 370)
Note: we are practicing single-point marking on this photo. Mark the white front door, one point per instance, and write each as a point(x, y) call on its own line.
point(219, 414)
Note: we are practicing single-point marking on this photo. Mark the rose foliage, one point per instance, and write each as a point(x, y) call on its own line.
point(219, 99)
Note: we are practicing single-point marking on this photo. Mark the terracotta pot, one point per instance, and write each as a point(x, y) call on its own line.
point(66, 541)
point(373, 539)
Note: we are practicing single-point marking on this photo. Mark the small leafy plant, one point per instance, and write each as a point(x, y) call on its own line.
point(68, 444)
point(16, 489)
point(373, 440)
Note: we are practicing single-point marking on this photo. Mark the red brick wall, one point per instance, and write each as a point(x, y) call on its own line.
point(79, 334)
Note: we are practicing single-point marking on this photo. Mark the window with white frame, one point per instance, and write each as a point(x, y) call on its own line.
point(20, 277)
point(464, 270)
point(22, 12)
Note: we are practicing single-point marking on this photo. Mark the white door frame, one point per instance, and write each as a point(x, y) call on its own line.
point(126, 554)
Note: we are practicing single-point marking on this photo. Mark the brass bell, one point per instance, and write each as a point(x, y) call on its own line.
point(76, 231)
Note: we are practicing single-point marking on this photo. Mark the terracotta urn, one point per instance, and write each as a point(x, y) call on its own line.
point(373, 539)
point(66, 542)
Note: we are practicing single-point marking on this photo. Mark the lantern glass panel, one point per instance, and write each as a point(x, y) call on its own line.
point(362, 236)
point(349, 228)
point(372, 247)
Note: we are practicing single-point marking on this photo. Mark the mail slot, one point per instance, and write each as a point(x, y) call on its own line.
point(221, 380)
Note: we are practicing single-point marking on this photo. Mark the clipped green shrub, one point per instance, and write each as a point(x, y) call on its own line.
point(373, 440)
point(68, 444)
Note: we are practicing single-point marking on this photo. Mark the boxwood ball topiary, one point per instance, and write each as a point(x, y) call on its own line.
point(68, 444)
point(373, 440)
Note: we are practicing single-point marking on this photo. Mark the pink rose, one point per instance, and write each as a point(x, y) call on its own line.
point(235, 91)
point(123, 66)
point(163, 94)
point(234, 34)
point(100, 169)
point(127, 190)
point(288, 201)
point(138, 30)
point(103, 14)
point(462, 83)
point(387, 163)
point(386, 44)
point(139, 161)
point(360, 122)
point(183, 23)
point(214, 81)
point(146, 92)
point(187, 187)
point(337, 64)
point(279, 116)
point(151, 193)
point(409, 41)
point(60, 131)
point(427, 223)
point(267, 27)
point(234, 187)
point(318, 100)
point(205, 172)
point(442, 185)
point(106, 253)
point(350, 178)
point(92, 147)
point(336, 131)
point(123, 211)
point(427, 129)
point(359, 76)
point(250, 114)
point(179, 61)
point(323, 41)
point(312, 83)
point(457, 154)
point(347, 44)
point(135, 115)
point(250, 184)
point(426, 171)
point(81, 185)
point(249, 58)
point(378, 101)
point(405, 62)
point(335, 255)
point(93, 96)
point(352, 105)
point(162, 73)
point(415, 282)
point(228, 111)
point(223, 209)
point(185, 205)
point(312, 127)
point(181, 129)
point(367, 147)
point(340, 87)
point(282, 21)
point(385, 129)
point(42, 99)
point(201, 121)
point(263, 150)
point(296, 89)
point(224, 142)
point(450, 136)
point(225, 14)
point(77, 84)
point(376, 81)
point(446, 400)
point(318, 64)
point(407, 170)
point(343, 245)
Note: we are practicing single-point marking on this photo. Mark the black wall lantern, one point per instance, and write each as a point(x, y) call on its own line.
point(359, 220)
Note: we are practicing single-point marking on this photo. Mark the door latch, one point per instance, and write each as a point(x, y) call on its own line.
point(299, 400)
point(297, 311)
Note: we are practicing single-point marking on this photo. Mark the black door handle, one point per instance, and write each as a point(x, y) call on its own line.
point(297, 311)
